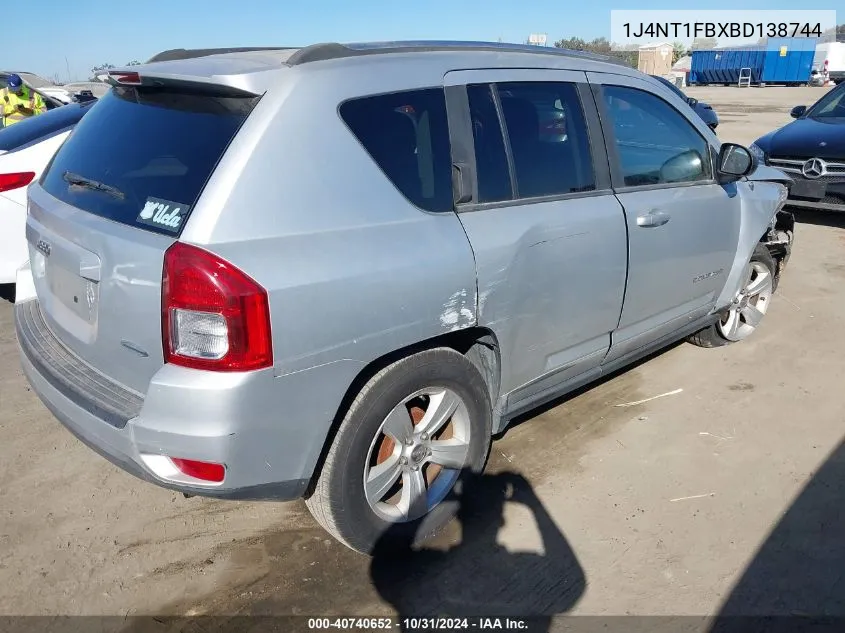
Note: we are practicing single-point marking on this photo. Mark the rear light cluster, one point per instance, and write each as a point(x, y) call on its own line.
point(214, 316)
point(8, 182)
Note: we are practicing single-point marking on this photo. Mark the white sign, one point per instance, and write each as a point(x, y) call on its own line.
point(641, 27)
point(537, 39)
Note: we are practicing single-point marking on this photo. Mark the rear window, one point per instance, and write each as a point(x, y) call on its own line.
point(38, 128)
point(142, 156)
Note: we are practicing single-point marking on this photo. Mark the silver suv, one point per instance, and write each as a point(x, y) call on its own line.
point(335, 272)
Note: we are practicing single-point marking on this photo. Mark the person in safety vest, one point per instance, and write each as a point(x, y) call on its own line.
point(19, 101)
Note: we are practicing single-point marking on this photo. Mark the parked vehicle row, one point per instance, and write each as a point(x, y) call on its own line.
point(25, 150)
point(811, 150)
point(280, 273)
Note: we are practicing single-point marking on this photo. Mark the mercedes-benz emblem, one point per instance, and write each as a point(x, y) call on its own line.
point(813, 168)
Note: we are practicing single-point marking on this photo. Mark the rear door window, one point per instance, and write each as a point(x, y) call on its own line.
point(491, 159)
point(548, 138)
point(41, 127)
point(142, 156)
point(407, 135)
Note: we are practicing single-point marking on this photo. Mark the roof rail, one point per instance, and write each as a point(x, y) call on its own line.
point(332, 50)
point(184, 53)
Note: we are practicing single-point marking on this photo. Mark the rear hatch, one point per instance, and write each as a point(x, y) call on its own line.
point(115, 197)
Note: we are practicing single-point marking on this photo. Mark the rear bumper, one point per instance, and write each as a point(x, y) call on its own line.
point(268, 431)
point(120, 448)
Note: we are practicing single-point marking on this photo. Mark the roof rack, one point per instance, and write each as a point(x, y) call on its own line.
point(327, 51)
point(185, 53)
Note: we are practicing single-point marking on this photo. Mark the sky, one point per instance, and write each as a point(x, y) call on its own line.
point(65, 42)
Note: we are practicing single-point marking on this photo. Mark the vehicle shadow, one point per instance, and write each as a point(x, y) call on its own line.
point(478, 576)
point(7, 292)
point(821, 218)
point(800, 569)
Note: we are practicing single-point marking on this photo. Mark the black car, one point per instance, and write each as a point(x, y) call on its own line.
point(703, 110)
point(811, 150)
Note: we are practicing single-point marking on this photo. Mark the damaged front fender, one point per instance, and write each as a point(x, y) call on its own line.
point(763, 195)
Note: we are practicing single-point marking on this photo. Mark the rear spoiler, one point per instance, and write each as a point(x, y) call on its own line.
point(149, 76)
point(185, 53)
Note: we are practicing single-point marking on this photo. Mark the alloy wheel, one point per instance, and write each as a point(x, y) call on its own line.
point(417, 454)
point(750, 304)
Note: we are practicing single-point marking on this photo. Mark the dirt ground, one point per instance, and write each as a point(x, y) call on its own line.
point(723, 497)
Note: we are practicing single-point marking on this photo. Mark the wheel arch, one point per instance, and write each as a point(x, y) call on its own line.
point(479, 344)
point(761, 204)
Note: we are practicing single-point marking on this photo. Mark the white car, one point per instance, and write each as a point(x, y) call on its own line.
point(25, 150)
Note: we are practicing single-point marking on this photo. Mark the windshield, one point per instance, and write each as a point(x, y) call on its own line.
point(832, 105)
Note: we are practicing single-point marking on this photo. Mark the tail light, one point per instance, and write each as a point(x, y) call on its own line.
point(214, 316)
point(8, 182)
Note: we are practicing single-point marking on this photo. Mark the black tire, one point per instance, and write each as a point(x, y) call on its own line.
point(338, 500)
point(711, 336)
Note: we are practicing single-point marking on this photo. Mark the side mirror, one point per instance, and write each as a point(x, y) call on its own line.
point(735, 161)
point(692, 101)
point(685, 167)
point(797, 112)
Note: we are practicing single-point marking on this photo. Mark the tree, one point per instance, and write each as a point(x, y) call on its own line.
point(600, 46)
point(100, 68)
point(134, 62)
point(573, 44)
point(678, 51)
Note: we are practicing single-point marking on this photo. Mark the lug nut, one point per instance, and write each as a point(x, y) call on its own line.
point(403, 461)
point(424, 436)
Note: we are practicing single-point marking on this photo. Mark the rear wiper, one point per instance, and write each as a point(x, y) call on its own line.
point(94, 185)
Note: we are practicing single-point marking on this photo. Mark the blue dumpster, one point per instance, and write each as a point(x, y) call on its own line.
point(789, 60)
point(783, 60)
point(723, 65)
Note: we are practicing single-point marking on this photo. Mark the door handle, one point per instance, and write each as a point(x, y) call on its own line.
point(653, 218)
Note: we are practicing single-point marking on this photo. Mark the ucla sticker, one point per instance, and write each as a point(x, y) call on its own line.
point(163, 214)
